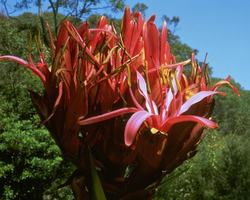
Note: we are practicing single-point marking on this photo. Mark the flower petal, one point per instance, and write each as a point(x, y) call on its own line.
point(142, 86)
point(133, 125)
point(195, 99)
point(150, 104)
point(106, 116)
point(185, 118)
point(226, 82)
point(25, 64)
point(168, 99)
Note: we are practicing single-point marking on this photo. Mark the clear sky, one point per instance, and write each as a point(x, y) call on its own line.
point(219, 27)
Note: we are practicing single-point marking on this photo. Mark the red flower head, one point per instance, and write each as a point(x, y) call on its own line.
point(124, 97)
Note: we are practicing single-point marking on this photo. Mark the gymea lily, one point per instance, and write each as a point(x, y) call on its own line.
point(123, 100)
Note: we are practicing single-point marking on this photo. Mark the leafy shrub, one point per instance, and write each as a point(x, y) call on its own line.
point(220, 171)
point(29, 161)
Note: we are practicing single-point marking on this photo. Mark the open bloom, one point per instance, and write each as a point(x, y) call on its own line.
point(124, 97)
point(162, 119)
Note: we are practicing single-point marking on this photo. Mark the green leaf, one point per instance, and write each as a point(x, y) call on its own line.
point(97, 192)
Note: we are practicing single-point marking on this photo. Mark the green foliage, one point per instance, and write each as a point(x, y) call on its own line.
point(30, 160)
point(10, 42)
point(181, 50)
point(31, 165)
point(15, 80)
point(232, 112)
point(140, 7)
point(220, 171)
point(71, 8)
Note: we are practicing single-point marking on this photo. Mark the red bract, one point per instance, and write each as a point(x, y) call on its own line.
point(125, 98)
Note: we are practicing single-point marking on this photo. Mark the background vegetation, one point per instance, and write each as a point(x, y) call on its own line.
point(31, 166)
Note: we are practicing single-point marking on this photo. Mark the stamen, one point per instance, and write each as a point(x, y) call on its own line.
point(177, 81)
point(146, 76)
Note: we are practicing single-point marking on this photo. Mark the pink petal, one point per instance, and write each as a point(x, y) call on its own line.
point(24, 63)
point(142, 86)
point(151, 106)
point(185, 118)
point(226, 82)
point(106, 116)
point(195, 99)
point(175, 88)
point(168, 99)
point(179, 70)
point(133, 125)
point(134, 99)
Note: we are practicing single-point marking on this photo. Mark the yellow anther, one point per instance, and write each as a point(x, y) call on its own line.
point(154, 130)
point(188, 94)
point(146, 76)
point(109, 55)
point(129, 75)
point(162, 70)
point(177, 81)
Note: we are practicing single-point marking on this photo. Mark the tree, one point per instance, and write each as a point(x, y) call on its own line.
point(141, 7)
point(172, 22)
point(75, 8)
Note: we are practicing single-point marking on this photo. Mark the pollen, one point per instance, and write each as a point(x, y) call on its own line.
point(154, 130)
point(188, 94)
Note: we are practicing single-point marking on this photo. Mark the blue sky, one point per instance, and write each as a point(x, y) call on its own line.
point(219, 27)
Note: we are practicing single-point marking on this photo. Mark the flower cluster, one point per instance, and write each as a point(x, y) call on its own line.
point(124, 97)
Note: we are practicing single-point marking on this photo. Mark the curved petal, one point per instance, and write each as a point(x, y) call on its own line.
point(168, 100)
point(185, 118)
point(142, 86)
point(226, 82)
point(133, 125)
point(25, 64)
point(195, 99)
point(150, 104)
point(106, 116)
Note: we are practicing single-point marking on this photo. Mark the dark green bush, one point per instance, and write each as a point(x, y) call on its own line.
point(29, 160)
point(219, 171)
